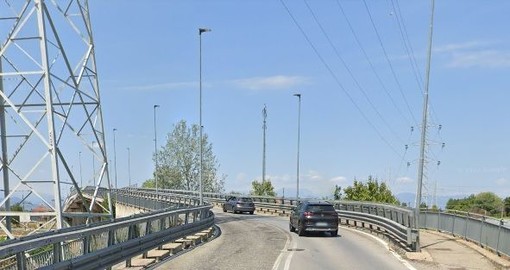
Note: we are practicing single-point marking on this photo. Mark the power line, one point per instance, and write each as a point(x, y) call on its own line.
point(336, 79)
point(409, 49)
point(389, 62)
point(407, 45)
point(372, 67)
point(360, 88)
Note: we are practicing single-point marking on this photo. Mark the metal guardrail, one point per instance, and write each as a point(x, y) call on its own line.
point(398, 222)
point(485, 231)
point(149, 201)
point(101, 245)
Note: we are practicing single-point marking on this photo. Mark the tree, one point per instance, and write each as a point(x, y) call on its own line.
point(486, 203)
point(464, 204)
point(179, 162)
point(337, 193)
point(371, 191)
point(507, 206)
point(264, 188)
point(489, 203)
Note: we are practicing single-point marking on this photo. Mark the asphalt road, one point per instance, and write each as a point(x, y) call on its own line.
point(264, 242)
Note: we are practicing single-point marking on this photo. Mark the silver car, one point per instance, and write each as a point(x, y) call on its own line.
point(239, 205)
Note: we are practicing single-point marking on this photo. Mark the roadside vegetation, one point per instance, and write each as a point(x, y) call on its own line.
point(370, 190)
point(178, 162)
point(262, 188)
point(484, 203)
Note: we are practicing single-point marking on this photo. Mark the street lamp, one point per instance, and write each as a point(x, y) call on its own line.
point(155, 149)
point(298, 140)
point(115, 158)
point(129, 166)
point(200, 31)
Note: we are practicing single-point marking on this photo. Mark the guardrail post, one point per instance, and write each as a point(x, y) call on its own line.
point(148, 230)
point(466, 226)
point(131, 235)
point(499, 236)
point(21, 262)
point(453, 225)
point(111, 238)
point(439, 221)
point(415, 240)
point(86, 244)
point(57, 252)
point(481, 230)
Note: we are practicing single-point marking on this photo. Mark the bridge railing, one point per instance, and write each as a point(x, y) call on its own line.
point(485, 231)
point(101, 245)
point(149, 201)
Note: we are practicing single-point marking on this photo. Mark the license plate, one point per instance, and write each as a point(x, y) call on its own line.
point(321, 224)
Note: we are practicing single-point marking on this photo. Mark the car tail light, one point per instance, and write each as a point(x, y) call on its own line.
point(308, 214)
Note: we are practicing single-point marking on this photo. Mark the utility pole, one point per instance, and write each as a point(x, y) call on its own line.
point(424, 126)
point(298, 142)
point(264, 128)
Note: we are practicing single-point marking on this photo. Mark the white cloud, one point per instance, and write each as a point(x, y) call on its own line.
point(270, 83)
point(241, 177)
point(404, 180)
point(161, 86)
point(456, 47)
point(338, 180)
point(474, 54)
point(482, 59)
point(502, 182)
point(313, 175)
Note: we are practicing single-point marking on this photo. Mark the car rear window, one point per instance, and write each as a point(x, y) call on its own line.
point(319, 207)
point(245, 200)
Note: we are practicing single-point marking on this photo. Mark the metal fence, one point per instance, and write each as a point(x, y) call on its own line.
point(485, 231)
point(101, 245)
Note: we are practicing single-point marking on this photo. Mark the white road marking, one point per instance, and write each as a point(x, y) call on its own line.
point(289, 257)
point(279, 259)
point(396, 255)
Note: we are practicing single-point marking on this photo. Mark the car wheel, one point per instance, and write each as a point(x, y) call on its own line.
point(300, 230)
point(251, 212)
point(234, 211)
point(334, 233)
point(224, 209)
point(291, 228)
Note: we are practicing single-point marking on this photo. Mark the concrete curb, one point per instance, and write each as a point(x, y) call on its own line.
point(170, 250)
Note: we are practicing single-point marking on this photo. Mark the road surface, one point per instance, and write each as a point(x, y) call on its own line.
point(264, 242)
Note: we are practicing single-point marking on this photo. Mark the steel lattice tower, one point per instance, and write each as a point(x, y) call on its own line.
point(51, 110)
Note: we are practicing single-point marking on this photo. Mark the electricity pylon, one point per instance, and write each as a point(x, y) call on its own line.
point(51, 110)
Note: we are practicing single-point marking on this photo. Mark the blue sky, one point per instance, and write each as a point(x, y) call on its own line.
point(353, 123)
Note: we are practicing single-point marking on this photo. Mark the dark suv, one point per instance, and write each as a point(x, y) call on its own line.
point(239, 204)
point(314, 216)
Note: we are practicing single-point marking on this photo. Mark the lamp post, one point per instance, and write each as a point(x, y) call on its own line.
point(155, 149)
point(129, 166)
point(200, 31)
point(115, 158)
point(298, 141)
